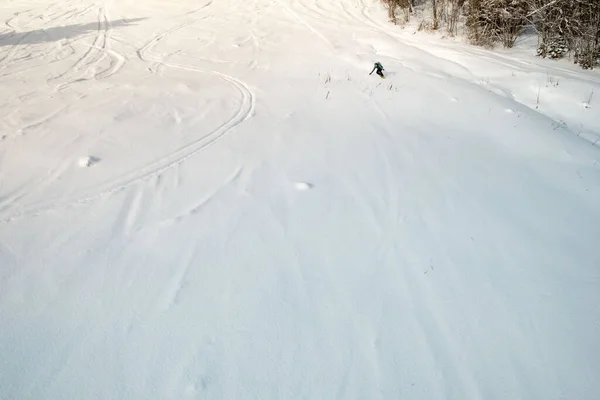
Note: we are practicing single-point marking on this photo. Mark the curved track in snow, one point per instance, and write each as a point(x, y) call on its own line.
point(159, 165)
point(432, 235)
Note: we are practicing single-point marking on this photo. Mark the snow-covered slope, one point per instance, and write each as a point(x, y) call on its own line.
point(213, 199)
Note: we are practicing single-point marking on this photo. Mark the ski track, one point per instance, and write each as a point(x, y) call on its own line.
point(10, 55)
point(304, 22)
point(160, 165)
point(513, 63)
point(96, 53)
point(385, 213)
point(47, 16)
point(205, 200)
point(118, 60)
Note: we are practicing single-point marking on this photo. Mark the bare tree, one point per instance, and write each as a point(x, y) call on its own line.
point(568, 26)
point(564, 26)
point(405, 6)
point(455, 8)
point(491, 21)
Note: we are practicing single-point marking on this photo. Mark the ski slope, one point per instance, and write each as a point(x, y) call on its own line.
point(214, 200)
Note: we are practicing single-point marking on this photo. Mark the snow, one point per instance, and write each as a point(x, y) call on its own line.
point(262, 219)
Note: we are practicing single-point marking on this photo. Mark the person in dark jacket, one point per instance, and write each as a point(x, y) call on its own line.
point(379, 69)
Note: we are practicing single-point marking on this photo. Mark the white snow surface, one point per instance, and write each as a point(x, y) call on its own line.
point(448, 247)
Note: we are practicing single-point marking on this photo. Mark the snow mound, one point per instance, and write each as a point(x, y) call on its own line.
point(87, 161)
point(303, 186)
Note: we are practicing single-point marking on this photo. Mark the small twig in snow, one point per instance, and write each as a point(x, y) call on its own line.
point(589, 101)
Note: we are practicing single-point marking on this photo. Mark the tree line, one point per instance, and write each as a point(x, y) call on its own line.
point(564, 27)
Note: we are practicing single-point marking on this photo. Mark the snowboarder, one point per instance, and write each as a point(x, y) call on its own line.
point(379, 68)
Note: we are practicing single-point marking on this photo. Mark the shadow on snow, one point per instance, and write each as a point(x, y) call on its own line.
point(55, 34)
